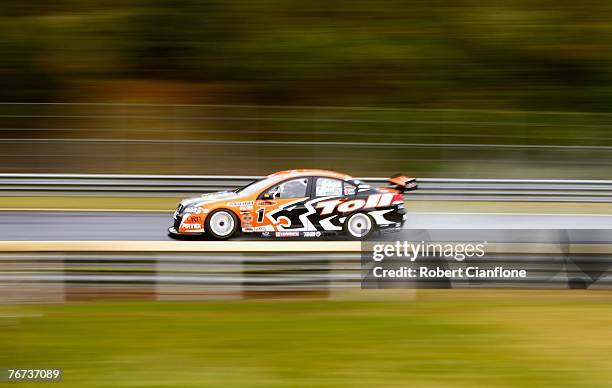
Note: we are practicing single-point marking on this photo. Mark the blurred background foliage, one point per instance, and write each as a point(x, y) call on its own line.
point(534, 55)
point(529, 58)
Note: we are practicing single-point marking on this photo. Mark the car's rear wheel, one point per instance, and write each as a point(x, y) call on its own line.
point(359, 226)
point(222, 224)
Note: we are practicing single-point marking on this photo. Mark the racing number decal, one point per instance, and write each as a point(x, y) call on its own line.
point(260, 215)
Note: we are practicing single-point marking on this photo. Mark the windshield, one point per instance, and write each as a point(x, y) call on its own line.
point(254, 187)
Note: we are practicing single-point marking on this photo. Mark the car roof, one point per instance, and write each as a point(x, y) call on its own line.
point(286, 174)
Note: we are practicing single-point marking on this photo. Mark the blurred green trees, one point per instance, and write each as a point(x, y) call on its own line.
point(535, 55)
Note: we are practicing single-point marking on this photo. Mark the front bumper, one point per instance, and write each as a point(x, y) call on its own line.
point(174, 232)
point(176, 226)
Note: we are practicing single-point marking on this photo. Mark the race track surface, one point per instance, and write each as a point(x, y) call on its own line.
point(77, 225)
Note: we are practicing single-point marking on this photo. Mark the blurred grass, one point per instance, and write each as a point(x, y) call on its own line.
point(444, 338)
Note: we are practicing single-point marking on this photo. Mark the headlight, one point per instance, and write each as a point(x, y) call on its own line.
point(193, 209)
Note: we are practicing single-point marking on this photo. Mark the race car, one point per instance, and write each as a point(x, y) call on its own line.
point(297, 203)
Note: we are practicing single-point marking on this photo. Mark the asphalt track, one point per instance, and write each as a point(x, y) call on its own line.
point(152, 226)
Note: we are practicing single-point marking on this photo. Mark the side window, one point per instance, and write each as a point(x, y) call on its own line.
point(349, 189)
point(328, 187)
point(294, 188)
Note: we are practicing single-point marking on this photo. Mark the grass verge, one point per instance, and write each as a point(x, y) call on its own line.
point(444, 338)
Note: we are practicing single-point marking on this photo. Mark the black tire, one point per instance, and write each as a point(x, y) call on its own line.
point(221, 224)
point(359, 221)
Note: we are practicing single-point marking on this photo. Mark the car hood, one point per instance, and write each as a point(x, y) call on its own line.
point(207, 198)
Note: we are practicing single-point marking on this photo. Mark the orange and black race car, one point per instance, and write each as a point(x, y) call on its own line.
point(297, 203)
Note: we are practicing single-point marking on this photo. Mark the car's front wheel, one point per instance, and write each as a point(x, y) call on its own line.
point(222, 224)
point(359, 226)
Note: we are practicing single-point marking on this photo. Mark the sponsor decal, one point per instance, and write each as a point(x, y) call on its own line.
point(385, 200)
point(328, 206)
point(250, 228)
point(265, 234)
point(247, 217)
point(192, 227)
point(266, 203)
point(312, 234)
point(375, 200)
point(287, 234)
point(194, 219)
point(193, 223)
point(242, 203)
point(350, 206)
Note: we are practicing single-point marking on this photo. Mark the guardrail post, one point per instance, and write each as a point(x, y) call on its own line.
point(24, 278)
point(198, 276)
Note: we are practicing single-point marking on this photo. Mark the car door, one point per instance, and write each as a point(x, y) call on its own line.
point(282, 208)
point(327, 195)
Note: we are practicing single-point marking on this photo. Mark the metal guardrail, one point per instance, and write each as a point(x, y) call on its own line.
point(183, 185)
point(52, 274)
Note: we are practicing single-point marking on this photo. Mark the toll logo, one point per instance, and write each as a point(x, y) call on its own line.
point(342, 206)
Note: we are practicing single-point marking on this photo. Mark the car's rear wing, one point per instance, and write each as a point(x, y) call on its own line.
point(403, 183)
